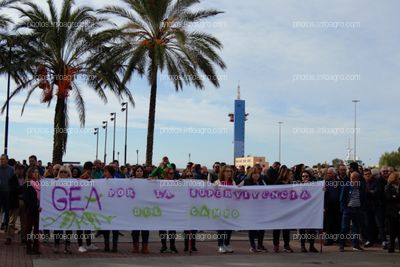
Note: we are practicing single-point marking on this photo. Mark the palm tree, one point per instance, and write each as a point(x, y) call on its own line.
point(159, 40)
point(60, 48)
point(4, 20)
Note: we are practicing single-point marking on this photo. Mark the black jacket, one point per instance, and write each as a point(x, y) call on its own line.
point(248, 182)
point(15, 193)
point(31, 201)
point(346, 193)
point(392, 197)
point(272, 176)
point(373, 194)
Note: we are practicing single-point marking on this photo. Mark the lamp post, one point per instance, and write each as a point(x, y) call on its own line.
point(125, 108)
point(137, 156)
point(280, 138)
point(96, 132)
point(8, 99)
point(355, 128)
point(105, 126)
point(114, 118)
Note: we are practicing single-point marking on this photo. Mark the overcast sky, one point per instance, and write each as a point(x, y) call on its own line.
point(287, 55)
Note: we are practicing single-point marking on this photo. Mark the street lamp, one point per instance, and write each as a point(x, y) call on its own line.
point(125, 108)
point(280, 138)
point(8, 98)
point(105, 126)
point(118, 156)
point(114, 118)
point(355, 128)
point(137, 156)
point(96, 132)
point(189, 157)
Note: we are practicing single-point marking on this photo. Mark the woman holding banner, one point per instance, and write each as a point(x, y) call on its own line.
point(138, 173)
point(168, 174)
point(307, 234)
point(224, 236)
point(63, 173)
point(109, 173)
point(31, 198)
point(254, 178)
point(285, 177)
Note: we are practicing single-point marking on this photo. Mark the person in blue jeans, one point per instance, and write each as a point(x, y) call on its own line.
point(352, 202)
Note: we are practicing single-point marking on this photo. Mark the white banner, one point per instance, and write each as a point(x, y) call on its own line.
point(138, 204)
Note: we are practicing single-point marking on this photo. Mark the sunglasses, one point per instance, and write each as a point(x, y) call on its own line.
point(63, 172)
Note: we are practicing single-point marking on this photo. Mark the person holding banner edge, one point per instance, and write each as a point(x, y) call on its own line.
point(285, 177)
point(139, 174)
point(306, 177)
point(224, 236)
point(109, 172)
point(254, 178)
point(63, 173)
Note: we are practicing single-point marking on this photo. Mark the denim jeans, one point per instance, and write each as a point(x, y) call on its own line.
point(355, 216)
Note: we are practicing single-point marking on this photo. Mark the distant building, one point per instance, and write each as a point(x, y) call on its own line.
point(251, 161)
point(239, 118)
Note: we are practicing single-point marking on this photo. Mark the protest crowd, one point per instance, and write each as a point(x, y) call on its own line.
point(367, 200)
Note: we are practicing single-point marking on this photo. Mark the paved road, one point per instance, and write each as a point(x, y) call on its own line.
point(353, 259)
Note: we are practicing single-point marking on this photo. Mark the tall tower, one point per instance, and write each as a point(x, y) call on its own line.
point(239, 118)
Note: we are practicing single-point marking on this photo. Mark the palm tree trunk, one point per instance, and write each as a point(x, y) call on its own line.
point(152, 114)
point(60, 131)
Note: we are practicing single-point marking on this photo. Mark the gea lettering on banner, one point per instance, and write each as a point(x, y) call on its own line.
point(126, 204)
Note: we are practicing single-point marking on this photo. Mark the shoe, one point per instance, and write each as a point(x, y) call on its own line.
point(303, 249)
point(67, 250)
point(276, 249)
point(391, 250)
point(262, 248)
point(36, 252)
point(185, 249)
point(8, 241)
point(56, 249)
point(253, 250)
point(173, 250)
point(114, 249)
point(106, 248)
point(358, 248)
point(228, 249)
point(92, 247)
point(313, 249)
point(82, 249)
point(135, 248)
point(288, 249)
point(194, 249)
point(163, 249)
point(341, 249)
point(384, 245)
point(145, 248)
point(221, 250)
point(368, 244)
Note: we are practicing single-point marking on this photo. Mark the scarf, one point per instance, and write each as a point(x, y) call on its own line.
point(36, 186)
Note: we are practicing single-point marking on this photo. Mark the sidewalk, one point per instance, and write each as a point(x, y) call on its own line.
point(14, 255)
